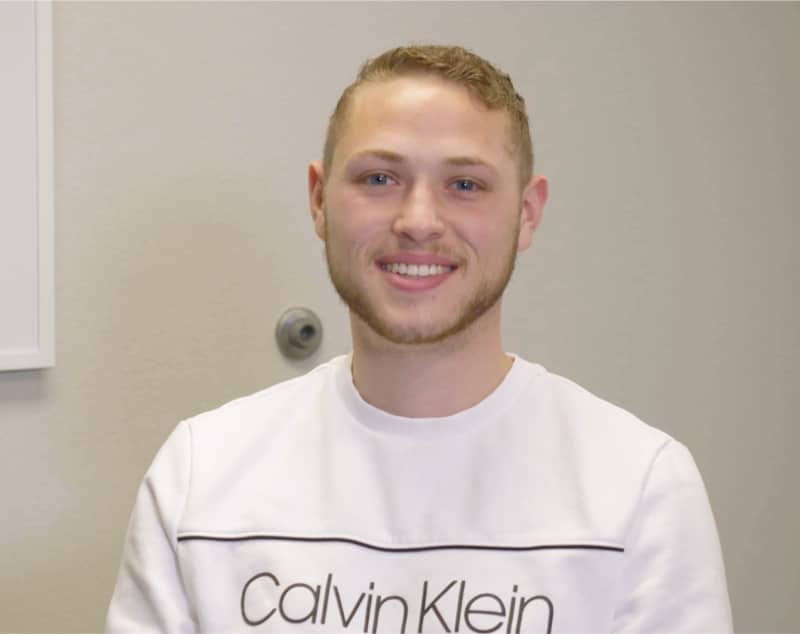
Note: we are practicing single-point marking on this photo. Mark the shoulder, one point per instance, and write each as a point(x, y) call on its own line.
point(605, 456)
point(595, 444)
point(598, 421)
point(257, 418)
point(271, 401)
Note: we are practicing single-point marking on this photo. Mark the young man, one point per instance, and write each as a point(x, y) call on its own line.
point(429, 481)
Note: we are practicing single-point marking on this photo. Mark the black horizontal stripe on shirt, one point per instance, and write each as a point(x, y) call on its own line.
point(392, 549)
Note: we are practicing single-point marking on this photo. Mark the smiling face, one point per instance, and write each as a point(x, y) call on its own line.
point(422, 213)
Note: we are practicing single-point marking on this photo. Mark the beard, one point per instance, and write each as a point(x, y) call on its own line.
point(484, 297)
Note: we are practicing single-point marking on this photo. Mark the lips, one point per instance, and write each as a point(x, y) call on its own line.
point(415, 272)
point(417, 258)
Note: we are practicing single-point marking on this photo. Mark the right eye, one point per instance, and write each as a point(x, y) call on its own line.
point(378, 178)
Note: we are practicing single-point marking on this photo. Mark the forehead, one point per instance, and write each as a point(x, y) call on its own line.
point(402, 111)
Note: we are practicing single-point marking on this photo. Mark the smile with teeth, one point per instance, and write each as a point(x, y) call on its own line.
point(416, 270)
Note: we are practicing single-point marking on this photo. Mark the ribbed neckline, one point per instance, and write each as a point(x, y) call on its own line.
point(488, 409)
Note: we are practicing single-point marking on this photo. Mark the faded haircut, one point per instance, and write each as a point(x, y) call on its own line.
point(489, 85)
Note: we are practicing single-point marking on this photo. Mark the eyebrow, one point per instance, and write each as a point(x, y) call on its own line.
point(394, 157)
point(385, 155)
point(469, 161)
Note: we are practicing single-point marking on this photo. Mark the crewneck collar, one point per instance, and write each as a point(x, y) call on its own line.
point(379, 420)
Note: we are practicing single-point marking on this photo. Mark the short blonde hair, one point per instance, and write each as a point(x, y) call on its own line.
point(491, 86)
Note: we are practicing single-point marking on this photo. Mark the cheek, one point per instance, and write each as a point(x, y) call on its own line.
point(359, 224)
point(352, 237)
point(480, 230)
point(490, 241)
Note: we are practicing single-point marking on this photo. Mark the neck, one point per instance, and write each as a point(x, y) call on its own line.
point(430, 380)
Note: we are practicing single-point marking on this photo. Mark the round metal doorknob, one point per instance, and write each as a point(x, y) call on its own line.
point(299, 333)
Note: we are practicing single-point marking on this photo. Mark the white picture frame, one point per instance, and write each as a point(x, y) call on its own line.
point(27, 312)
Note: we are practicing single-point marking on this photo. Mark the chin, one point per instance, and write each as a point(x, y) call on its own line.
point(405, 325)
point(408, 334)
point(415, 337)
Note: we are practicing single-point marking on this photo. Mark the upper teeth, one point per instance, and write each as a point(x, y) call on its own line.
point(418, 270)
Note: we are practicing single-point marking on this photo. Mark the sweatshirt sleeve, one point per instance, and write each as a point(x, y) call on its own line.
point(674, 577)
point(149, 595)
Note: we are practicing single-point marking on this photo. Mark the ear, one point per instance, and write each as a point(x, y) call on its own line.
point(534, 197)
point(316, 197)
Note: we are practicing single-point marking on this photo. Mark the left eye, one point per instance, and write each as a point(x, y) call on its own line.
point(466, 185)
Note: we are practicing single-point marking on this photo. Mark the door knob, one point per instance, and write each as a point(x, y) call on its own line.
point(298, 332)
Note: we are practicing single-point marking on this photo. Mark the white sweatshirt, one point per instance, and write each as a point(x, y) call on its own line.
point(303, 509)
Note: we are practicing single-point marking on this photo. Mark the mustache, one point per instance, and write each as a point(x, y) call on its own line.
point(430, 250)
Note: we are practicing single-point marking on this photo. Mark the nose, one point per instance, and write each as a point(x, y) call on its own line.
point(418, 217)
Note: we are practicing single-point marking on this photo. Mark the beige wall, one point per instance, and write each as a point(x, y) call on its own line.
point(664, 276)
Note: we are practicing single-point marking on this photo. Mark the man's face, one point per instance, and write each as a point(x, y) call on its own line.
point(421, 212)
